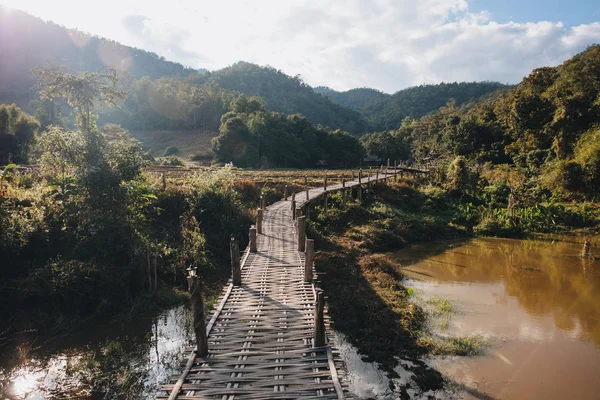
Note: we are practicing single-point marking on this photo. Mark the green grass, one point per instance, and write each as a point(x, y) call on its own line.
point(440, 306)
point(470, 345)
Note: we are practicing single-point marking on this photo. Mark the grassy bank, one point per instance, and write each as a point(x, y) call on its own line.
point(366, 298)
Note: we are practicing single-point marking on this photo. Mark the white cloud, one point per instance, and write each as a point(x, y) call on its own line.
point(386, 44)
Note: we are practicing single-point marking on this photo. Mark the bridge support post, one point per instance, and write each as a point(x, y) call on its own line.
point(360, 194)
point(253, 239)
point(259, 220)
point(319, 320)
point(309, 257)
point(395, 172)
point(301, 233)
point(198, 315)
point(325, 204)
point(377, 175)
point(236, 272)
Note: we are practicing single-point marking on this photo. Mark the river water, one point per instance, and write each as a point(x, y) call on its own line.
point(535, 301)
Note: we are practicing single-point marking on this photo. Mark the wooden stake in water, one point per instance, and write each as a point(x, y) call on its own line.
point(198, 315)
point(586, 251)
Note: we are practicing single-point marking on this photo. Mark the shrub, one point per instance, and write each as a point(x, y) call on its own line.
point(248, 189)
point(170, 151)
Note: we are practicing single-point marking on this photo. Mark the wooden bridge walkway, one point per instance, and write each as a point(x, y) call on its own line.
point(261, 337)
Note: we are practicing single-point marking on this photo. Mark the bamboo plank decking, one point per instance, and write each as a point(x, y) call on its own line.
point(262, 333)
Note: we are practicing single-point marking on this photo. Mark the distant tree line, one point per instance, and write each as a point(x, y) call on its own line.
point(252, 136)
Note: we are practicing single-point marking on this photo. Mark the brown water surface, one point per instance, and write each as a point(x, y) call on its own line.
point(536, 301)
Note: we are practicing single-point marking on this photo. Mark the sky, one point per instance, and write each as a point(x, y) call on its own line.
point(384, 44)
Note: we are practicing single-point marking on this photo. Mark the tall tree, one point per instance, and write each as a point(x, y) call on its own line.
point(82, 92)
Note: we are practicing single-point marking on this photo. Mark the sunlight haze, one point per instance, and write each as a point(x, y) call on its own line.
point(387, 45)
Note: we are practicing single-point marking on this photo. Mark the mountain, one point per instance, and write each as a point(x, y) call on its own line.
point(27, 42)
point(288, 95)
point(356, 99)
point(417, 101)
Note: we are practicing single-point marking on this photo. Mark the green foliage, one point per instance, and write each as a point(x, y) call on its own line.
point(458, 175)
point(287, 95)
point(82, 92)
point(171, 150)
point(355, 99)
point(389, 112)
point(391, 145)
point(255, 137)
point(17, 134)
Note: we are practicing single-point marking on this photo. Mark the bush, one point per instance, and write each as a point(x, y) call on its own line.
point(248, 189)
point(170, 151)
point(173, 162)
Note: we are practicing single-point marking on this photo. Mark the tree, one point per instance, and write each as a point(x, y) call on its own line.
point(17, 133)
point(82, 92)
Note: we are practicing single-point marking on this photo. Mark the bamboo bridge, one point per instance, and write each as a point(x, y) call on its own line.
point(267, 338)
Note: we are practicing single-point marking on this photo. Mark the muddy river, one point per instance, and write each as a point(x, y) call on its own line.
point(535, 301)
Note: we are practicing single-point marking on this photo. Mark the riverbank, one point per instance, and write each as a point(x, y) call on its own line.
point(367, 299)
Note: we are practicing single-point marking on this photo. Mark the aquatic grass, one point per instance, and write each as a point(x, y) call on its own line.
point(440, 306)
point(470, 345)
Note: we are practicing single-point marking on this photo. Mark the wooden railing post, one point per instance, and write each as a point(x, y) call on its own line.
point(360, 176)
point(301, 233)
point(306, 186)
point(325, 183)
point(325, 204)
point(236, 272)
point(395, 172)
point(285, 191)
point(293, 205)
point(377, 176)
point(253, 239)
point(262, 201)
point(198, 315)
point(259, 220)
point(352, 175)
point(297, 213)
point(309, 256)
point(319, 319)
point(344, 193)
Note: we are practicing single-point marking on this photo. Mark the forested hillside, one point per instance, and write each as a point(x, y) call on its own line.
point(384, 112)
point(546, 130)
point(417, 101)
point(287, 94)
point(356, 99)
point(27, 42)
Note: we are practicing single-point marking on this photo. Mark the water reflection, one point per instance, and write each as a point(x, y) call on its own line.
point(153, 353)
point(536, 300)
point(547, 278)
